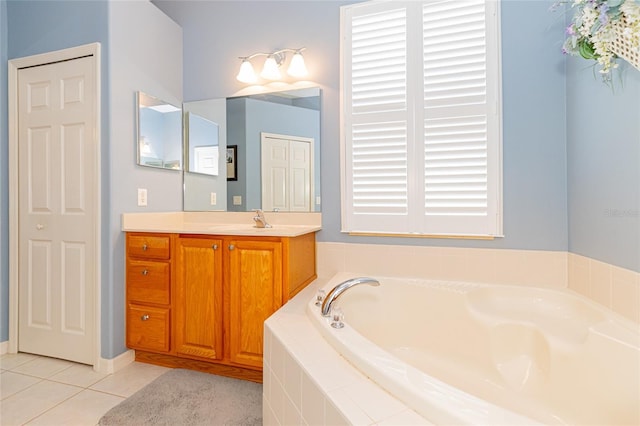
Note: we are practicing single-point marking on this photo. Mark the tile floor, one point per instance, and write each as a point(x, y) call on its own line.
point(37, 390)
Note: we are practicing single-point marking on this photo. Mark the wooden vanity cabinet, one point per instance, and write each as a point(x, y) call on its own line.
point(223, 288)
point(148, 276)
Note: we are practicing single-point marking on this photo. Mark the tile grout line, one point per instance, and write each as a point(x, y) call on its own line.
point(51, 408)
point(80, 388)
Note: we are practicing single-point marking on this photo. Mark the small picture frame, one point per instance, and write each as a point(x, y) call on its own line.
point(232, 164)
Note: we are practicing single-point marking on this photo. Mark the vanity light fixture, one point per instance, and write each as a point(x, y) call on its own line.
point(271, 67)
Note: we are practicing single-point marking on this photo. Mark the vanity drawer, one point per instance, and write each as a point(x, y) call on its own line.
point(148, 246)
point(148, 281)
point(148, 328)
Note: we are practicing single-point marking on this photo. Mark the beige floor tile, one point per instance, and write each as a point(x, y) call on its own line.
point(129, 380)
point(31, 402)
point(85, 408)
point(11, 383)
point(11, 361)
point(78, 375)
point(43, 367)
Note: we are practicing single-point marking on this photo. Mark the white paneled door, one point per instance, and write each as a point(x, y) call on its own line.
point(286, 163)
point(57, 180)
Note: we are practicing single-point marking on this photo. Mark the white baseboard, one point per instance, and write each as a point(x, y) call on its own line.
point(4, 347)
point(109, 366)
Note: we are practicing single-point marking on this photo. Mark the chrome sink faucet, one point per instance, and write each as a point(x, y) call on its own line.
point(260, 220)
point(341, 288)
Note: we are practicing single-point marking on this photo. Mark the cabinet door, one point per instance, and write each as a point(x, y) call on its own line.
point(198, 298)
point(255, 292)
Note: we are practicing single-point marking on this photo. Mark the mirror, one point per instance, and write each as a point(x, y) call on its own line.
point(269, 153)
point(159, 133)
point(201, 147)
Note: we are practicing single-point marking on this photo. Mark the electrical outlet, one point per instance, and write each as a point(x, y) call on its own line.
point(318, 200)
point(142, 197)
point(237, 200)
point(214, 199)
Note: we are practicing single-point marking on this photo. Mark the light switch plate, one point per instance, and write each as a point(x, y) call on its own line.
point(214, 199)
point(142, 197)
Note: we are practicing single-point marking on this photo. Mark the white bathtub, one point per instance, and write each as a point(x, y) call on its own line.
point(464, 353)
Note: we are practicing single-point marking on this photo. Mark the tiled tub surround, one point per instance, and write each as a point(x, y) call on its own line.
point(614, 287)
point(308, 382)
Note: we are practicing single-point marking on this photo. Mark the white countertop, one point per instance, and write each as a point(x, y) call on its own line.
point(222, 223)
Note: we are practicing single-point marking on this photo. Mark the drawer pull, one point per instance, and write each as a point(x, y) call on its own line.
point(231, 246)
point(145, 317)
point(215, 247)
point(144, 247)
point(145, 272)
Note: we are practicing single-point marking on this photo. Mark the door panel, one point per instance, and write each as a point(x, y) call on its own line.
point(58, 190)
point(275, 176)
point(300, 176)
point(198, 298)
point(255, 292)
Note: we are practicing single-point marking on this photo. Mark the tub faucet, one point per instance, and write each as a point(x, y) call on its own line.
point(341, 288)
point(260, 220)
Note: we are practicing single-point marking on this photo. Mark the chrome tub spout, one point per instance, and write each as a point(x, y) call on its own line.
point(335, 293)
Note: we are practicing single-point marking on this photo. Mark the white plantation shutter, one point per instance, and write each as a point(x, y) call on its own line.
point(421, 118)
point(378, 106)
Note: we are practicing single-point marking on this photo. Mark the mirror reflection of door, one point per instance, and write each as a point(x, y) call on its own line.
point(287, 170)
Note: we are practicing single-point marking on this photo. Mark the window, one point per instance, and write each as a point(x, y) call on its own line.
point(421, 109)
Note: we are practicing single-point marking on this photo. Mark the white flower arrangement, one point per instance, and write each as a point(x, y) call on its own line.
point(605, 30)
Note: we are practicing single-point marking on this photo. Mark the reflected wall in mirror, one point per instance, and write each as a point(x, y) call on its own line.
point(202, 140)
point(286, 125)
point(205, 185)
point(159, 133)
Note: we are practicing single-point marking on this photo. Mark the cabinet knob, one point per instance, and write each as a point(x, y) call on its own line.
point(231, 246)
point(145, 272)
point(145, 317)
point(215, 247)
point(144, 247)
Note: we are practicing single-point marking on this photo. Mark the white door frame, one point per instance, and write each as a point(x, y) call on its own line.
point(92, 49)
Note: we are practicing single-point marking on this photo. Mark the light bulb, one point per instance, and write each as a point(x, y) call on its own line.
point(297, 68)
point(270, 69)
point(246, 73)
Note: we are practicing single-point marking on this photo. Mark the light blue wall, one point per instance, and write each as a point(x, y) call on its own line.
point(535, 200)
point(145, 53)
point(147, 57)
point(4, 175)
point(603, 140)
